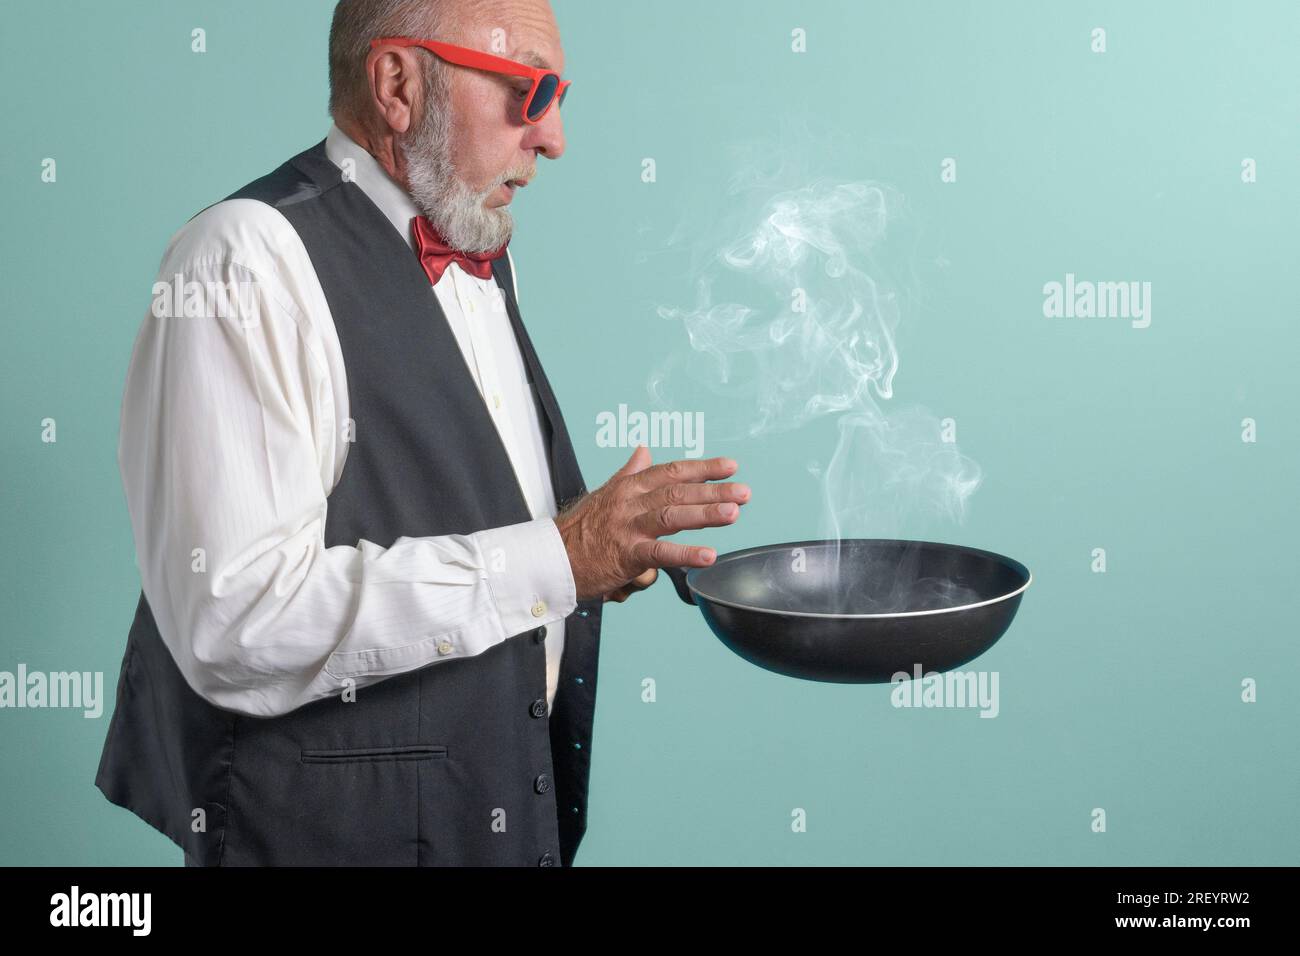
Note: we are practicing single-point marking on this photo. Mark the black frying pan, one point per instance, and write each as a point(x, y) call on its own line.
point(858, 610)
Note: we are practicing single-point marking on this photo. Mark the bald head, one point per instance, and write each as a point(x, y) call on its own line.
point(454, 137)
point(357, 22)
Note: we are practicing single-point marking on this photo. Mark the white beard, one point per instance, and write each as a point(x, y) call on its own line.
point(455, 210)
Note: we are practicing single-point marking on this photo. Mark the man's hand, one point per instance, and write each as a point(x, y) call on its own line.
point(638, 583)
point(612, 534)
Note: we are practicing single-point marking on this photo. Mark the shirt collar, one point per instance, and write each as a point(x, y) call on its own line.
point(373, 180)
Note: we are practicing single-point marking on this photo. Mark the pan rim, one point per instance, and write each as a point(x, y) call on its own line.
point(1013, 564)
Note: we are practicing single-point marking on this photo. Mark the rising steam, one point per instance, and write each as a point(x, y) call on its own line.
point(809, 330)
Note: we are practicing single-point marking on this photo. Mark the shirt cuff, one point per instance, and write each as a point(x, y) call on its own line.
point(528, 573)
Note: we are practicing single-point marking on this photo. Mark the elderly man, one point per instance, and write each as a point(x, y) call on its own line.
point(372, 576)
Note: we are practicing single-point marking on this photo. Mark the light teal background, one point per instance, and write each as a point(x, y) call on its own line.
point(1118, 690)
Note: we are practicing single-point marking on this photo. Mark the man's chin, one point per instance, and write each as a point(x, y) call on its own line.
point(503, 225)
point(487, 224)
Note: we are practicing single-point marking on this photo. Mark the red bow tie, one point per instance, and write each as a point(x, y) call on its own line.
point(436, 255)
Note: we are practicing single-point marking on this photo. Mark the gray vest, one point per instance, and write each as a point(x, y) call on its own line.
point(456, 763)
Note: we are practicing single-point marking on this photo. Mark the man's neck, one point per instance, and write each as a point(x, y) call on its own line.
point(382, 147)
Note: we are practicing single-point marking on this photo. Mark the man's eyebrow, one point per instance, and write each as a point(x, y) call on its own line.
point(532, 58)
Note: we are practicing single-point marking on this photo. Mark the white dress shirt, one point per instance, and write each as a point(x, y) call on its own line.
point(234, 429)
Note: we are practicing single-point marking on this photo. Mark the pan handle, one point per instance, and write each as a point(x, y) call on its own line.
point(679, 582)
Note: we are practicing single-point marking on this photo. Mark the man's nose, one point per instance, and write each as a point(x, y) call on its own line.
point(547, 135)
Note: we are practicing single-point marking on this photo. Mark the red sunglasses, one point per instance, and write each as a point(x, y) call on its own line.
point(547, 86)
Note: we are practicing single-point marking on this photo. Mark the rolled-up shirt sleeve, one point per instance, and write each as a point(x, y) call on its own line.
point(226, 451)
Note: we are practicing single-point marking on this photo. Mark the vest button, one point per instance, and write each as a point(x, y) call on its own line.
point(542, 783)
point(539, 708)
point(546, 859)
point(539, 635)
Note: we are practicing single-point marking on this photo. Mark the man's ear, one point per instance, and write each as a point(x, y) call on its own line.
point(396, 86)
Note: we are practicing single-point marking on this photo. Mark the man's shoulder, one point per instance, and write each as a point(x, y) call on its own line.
point(288, 183)
point(251, 223)
point(242, 230)
point(249, 216)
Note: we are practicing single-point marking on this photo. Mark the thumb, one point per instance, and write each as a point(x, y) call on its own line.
point(639, 461)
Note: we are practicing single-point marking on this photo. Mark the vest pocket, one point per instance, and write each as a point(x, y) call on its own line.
point(367, 754)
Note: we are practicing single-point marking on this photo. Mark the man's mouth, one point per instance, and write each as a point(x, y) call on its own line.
point(510, 185)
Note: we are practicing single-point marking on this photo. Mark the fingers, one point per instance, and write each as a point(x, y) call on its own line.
point(667, 554)
point(638, 583)
point(650, 501)
point(695, 494)
point(673, 518)
point(645, 579)
point(684, 470)
point(639, 461)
